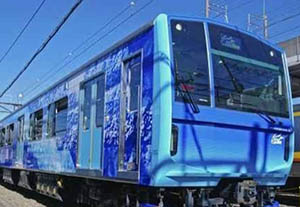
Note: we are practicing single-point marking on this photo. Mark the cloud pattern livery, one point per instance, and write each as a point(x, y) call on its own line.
point(59, 154)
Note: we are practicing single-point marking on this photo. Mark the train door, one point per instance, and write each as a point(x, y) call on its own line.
point(129, 140)
point(91, 123)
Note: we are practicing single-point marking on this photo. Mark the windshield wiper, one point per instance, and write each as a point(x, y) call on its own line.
point(236, 84)
point(185, 94)
point(269, 118)
point(265, 115)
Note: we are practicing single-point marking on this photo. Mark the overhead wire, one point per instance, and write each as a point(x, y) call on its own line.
point(284, 19)
point(286, 31)
point(100, 38)
point(22, 31)
point(236, 7)
point(5, 108)
point(45, 43)
point(281, 20)
point(280, 11)
point(46, 75)
point(241, 5)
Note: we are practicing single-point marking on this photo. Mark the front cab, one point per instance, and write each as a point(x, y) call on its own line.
point(222, 106)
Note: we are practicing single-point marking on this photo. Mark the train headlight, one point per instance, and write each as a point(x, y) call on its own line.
point(179, 27)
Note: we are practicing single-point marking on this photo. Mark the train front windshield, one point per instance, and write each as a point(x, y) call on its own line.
point(248, 74)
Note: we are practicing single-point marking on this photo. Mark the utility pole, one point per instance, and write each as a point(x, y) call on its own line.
point(259, 22)
point(265, 19)
point(217, 8)
point(206, 8)
point(9, 107)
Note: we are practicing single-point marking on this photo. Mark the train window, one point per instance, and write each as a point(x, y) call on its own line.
point(100, 101)
point(87, 105)
point(10, 131)
point(21, 128)
point(36, 125)
point(134, 79)
point(2, 137)
point(190, 62)
point(248, 74)
point(57, 117)
point(61, 114)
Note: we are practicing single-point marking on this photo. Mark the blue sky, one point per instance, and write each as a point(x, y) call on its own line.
point(92, 15)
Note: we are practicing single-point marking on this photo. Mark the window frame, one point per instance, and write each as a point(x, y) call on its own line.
point(86, 124)
point(33, 136)
point(21, 129)
point(52, 117)
point(210, 101)
point(3, 137)
point(59, 112)
point(10, 136)
point(245, 38)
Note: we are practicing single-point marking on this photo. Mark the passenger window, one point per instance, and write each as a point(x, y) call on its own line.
point(57, 117)
point(134, 80)
point(10, 130)
point(100, 101)
point(87, 105)
point(21, 128)
point(2, 137)
point(36, 125)
point(61, 114)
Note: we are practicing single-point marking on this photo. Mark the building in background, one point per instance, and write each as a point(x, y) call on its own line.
point(292, 49)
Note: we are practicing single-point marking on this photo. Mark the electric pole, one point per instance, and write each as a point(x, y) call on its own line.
point(259, 22)
point(220, 10)
point(206, 8)
point(265, 19)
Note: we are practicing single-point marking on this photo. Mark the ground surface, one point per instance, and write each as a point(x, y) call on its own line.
point(17, 197)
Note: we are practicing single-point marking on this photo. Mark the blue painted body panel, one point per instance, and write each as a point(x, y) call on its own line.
point(59, 154)
point(213, 144)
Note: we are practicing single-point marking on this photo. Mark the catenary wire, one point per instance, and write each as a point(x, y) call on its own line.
point(286, 31)
point(97, 40)
point(236, 7)
point(22, 31)
point(46, 75)
point(45, 43)
point(284, 19)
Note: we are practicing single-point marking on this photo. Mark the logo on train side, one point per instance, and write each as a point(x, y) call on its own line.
point(277, 139)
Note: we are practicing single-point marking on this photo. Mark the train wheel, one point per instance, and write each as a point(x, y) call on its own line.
point(189, 200)
point(1, 175)
point(32, 180)
point(15, 176)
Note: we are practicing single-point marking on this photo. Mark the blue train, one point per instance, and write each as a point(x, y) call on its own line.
point(185, 111)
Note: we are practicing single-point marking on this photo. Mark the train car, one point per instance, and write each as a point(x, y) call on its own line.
point(293, 182)
point(184, 112)
point(295, 171)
